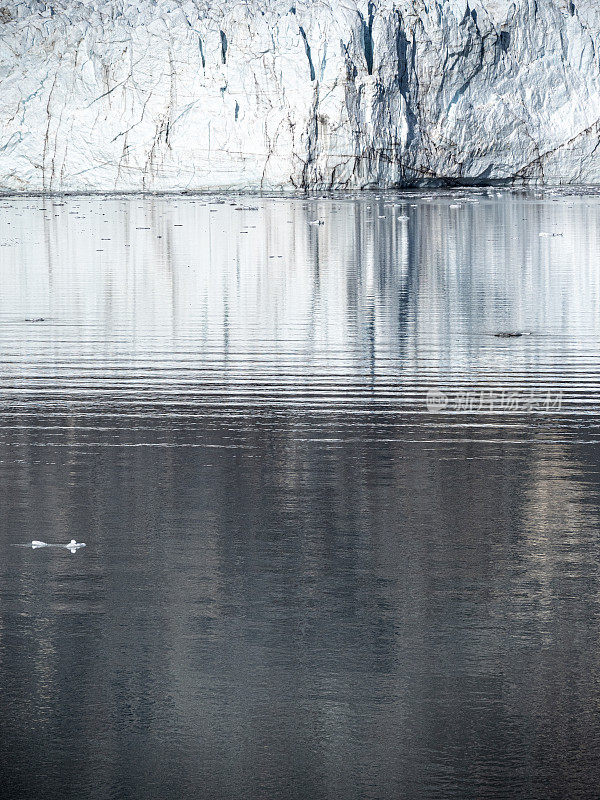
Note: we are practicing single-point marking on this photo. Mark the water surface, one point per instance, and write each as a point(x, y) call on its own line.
point(301, 579)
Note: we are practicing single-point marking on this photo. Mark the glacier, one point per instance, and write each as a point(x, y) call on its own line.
point(168, 95)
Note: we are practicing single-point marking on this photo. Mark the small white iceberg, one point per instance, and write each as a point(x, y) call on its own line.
point(72, 546)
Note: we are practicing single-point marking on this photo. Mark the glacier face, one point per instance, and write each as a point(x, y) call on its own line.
point(265, 94)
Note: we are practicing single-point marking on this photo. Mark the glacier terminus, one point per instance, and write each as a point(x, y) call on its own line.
point(124, 95)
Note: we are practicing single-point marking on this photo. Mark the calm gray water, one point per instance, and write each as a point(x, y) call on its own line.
point(342, 541)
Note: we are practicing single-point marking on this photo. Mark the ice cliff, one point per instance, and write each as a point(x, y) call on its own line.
point(189, 94)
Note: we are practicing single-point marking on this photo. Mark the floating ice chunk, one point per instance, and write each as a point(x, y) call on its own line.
point(74, 545)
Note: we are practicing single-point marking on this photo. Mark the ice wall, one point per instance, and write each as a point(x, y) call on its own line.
point(168, 95)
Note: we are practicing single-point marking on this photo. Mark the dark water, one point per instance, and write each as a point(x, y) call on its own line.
point(301, 579)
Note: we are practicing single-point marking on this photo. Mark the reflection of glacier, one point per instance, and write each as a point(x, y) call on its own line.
point(242, 300)
point(366, 603)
